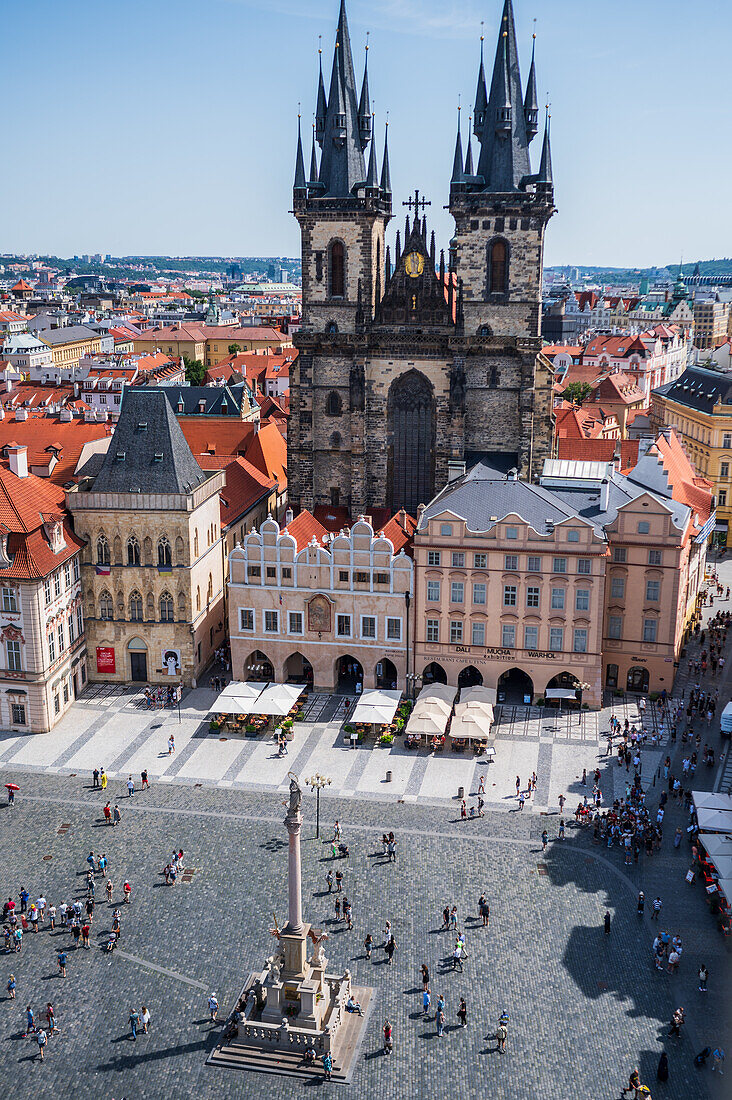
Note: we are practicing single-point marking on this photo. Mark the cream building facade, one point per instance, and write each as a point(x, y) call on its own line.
point(331, 610)
point(152, 566)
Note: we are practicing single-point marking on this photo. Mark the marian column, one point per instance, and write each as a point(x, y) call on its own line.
point(293, 824)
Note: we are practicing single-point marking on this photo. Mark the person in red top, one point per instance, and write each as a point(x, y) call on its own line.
point(108, 814)
point(127, 892)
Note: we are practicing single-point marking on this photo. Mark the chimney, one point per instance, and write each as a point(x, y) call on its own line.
point(289, 516)
point(455, 469)
point(18, 457)
point(21, 414)
point(403, 520)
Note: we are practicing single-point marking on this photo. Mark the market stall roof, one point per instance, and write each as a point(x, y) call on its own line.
point(277, 700)
point(560, 693)
point(237, 698)
point(474, 713)
point(725, 886)
point(714, 821)
point(717, 844)
point(377, 707)
point(432, 710)
point(722, 865)
point(708, 800)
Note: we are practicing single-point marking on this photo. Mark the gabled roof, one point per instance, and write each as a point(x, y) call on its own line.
point(216, 400)
point(245, 486)
point(400, 531)
point(71, 334)
point(25, 504)
point(304, 528)
point(699, 388)
point(39, 432)
point(149, 453)
point(600, 450)
point(268, 452)
point(226, 437)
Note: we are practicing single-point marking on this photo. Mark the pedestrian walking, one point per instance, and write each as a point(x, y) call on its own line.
point(561, 801)
point(130, 786)
point(145, 1019)
point(425, 976)
point(62, 958)
point(440, 1022)
point(103, 776)
point(337, 908)
point(51, 1020)
point(501, 1036)
point(703, 975)
point(481, 784)
point(656, 908)
point(662, 1069)
point(584, 777)
point(457, 957)
point(641, 904)
point(607, 923)
point(677, 1021)
point(339, 880)
point(718, 1060)
point(390, 949)
point(521, 799)
point(134, 1022)
point(462, 1013)
point(41, 1039)
point(544, 840)
point(347, 911)
point(213, 1006)
point(145, 780)
point(561, 828)
point(117, 815)
point(127, 891)
point(368, 944)
point(108, 814)
point(518, 785)
point(426, 1002)
point(171, 745)
point(11, 987)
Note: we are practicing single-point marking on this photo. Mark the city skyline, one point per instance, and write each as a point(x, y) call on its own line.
point(164, 159)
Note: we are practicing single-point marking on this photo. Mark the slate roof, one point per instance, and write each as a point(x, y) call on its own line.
point(69, 335)
point(699, 388)
point(483, 497)
point(219, 400)
point(148, 453)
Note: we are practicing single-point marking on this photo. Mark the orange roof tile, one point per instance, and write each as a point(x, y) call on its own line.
point(223, 436)
point(268, 452)
point(304, 527)
point(400, 531)
point(245, 486)
point(39, 433)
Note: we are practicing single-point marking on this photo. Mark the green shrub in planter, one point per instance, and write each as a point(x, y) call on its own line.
point(540, 701)
point(348, 728)
point(386, 739)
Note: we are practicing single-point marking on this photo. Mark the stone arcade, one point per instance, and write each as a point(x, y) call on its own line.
point(411, 365)
point(293, 1004)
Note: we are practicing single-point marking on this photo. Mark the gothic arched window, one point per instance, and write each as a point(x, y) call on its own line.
point(337, 269)
point(133, 551)
point(498, 266)
point(165, 554)
point(136, 607)
point(333, 404)
point(102, 550)
point(106, 606)
point(166, 608)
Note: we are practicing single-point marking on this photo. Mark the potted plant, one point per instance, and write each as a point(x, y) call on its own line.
point(386, 739)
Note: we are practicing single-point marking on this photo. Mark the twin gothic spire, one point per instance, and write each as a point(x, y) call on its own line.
point(505, 122)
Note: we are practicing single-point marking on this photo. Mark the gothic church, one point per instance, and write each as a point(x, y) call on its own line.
point(412, 365)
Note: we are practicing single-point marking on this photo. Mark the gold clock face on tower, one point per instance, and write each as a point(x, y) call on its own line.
point(414, 264)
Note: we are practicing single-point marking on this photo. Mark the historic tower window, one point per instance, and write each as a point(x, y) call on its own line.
point(498, 267)
point(106, 607)
point(411, 441)
point(166, 608)
point(133, 551)
point(102, 550)
point(136, 607)
point(494, 378)
point(337, 270)
point(333, 404)
point(165, 556)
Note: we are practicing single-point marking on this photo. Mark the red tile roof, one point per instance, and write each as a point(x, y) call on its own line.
point(600, 450)
point(268, 452)
point(304, 527)
point(25, 504)
point(21, 285)
point(400, 531)
point(225, 437)
point(245, 486)
point(687, 487)
point(38, 433)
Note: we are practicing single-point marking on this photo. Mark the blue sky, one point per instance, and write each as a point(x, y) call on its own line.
point(151, 127)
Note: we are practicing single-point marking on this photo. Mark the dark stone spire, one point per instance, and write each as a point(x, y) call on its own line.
point(545, 167)
point(342, 165)
point(469, 157)
point(372, 176)
point(457, 162)
point(385, 170)
point(364, 106)
point(504, 153)
point(481, 97)
point(321, 109)
point(313, 162)
point(531, 107)
point(300, 184)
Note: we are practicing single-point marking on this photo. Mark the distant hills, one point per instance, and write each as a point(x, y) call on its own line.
point(621, 274)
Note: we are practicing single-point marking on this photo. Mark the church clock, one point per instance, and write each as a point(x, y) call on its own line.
point(414, 264)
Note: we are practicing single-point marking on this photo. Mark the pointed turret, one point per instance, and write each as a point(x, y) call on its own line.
point(504, 155)
point(300, 184)
point(531, 107)
point(313, 161)
point(457, 161)
point(481, 97)
point(544, 176)
point(364, 106)
point(321, 109)
point(372, 176)
point(469, 156)
point(342, 165)
point(385, 170)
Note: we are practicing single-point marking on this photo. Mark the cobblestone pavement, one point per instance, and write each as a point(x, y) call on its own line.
point(583, 1007)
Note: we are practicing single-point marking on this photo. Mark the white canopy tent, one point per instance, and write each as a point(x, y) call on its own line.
point(377, 707)
point(560, 693)
point(717, 844)
point(277, 700)
point(474, 713)
point(708, 800)
point(237, 698)
point(431, 711)
point(724, 885)
point(714, 821)
point(722, 865)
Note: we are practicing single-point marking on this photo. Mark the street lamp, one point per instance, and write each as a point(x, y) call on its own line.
point(413, 678)
point(316, 783)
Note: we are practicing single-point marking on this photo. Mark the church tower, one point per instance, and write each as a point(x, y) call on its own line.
point(343, 207)
point(501, 210)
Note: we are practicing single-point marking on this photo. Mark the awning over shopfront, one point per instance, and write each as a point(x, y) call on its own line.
point(708, 800)
point(432, 711)
point(717, 844)
point(237, 698)
point(376, 708)
point(560, 693)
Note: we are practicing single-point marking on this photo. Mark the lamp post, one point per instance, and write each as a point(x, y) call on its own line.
point(413, 679)
point(316, 783)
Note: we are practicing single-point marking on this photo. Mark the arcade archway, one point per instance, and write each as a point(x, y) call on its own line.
point(515, 686)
